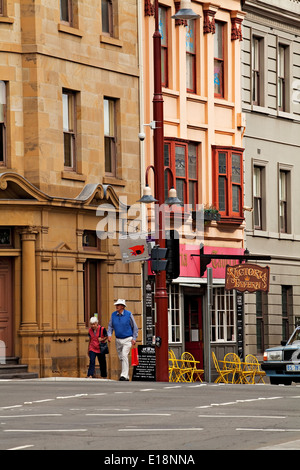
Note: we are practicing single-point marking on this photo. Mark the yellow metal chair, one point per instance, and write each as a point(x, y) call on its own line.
point(232, 362)
point(191, 364)
point(177, 371)
point(252, 364)
point(223, 373)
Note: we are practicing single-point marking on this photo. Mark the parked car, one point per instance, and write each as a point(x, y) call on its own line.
point(282, 363)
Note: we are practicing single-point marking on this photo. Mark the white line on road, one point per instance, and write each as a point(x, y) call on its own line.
point(21, 447)
point(267, 430)
point(32, 416)
point(44, 430)
point(159, 429)
point(128, 414)
point(242, 416)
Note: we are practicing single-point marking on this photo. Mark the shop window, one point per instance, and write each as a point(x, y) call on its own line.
point(175, 327)
point(181, 158)
point(69, 129)
point(223, 316)
point(228, 182)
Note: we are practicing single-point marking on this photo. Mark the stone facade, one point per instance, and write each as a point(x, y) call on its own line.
point(59, 277)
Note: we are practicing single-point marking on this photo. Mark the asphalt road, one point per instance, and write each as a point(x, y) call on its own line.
point(91, 414)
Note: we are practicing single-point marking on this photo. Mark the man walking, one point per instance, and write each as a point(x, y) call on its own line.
point(126, 331)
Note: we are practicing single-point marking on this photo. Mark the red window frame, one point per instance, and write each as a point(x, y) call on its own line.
point(228, 187)
point(185, 183)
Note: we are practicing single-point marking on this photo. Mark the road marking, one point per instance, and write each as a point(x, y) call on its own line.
point(32, 416)
point(21, 447)
point(242, 416)
point(128, 414)
point(44, 430)
point(159, 429)
point(248, 400)
point(267, 430)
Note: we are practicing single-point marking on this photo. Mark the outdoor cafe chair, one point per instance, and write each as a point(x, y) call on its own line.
point(190, 363)
point(252, 364)
point(223, 373)
point(177, 370)
point(233, 363)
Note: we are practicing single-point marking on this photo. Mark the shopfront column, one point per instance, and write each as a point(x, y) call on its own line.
point(29, 319)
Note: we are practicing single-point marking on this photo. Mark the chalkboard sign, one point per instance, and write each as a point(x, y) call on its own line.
point(145, 371)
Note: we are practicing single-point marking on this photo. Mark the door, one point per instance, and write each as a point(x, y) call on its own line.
point(193, 327)
point(6, 320)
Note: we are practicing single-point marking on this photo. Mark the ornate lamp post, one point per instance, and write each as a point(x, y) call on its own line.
point(161, 297)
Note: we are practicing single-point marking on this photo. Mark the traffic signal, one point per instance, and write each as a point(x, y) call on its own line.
point(158, 263)
point(173, 255)
point(205, 260)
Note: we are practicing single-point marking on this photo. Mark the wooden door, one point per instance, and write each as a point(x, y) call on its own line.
point(193, 327)
point(6, 314)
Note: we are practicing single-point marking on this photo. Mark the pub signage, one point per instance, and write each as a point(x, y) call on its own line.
point(247, 277)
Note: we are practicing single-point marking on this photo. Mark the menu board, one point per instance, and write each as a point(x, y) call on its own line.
point(146, 369)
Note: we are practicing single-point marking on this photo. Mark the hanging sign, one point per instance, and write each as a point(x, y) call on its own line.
point(247, 277)
point(134, 249)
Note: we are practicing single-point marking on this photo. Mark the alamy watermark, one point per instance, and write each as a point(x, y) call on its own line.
point(138, 221)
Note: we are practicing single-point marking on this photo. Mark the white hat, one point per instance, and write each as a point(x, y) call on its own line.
point(120, 302)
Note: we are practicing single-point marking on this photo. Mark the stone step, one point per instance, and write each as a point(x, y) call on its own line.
point(13, 370)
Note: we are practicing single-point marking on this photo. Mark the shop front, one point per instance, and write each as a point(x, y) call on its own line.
point(188, 306)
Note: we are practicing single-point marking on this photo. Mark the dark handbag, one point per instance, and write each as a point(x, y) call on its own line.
point(103, 346)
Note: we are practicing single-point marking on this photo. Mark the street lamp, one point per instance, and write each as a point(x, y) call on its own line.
point(161, 296)
point(185, 12)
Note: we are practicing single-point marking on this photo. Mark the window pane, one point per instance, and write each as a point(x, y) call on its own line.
point(166, 155)
point(236, 168)
point(180, 189)
point(192, 194)
point(218, 41)
point(163, 26)
point(64, 10)
point(190, 37)
point(180, 160)
point(235, 198)
point(256, 182)
point(65, 112)
point(105, 16)
point(192, 157)
point(190, 72)
point(108, 159)
point(222, 163)
point(2, 143)
point(222, 193)
point(218, 77)
point(68, 150)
